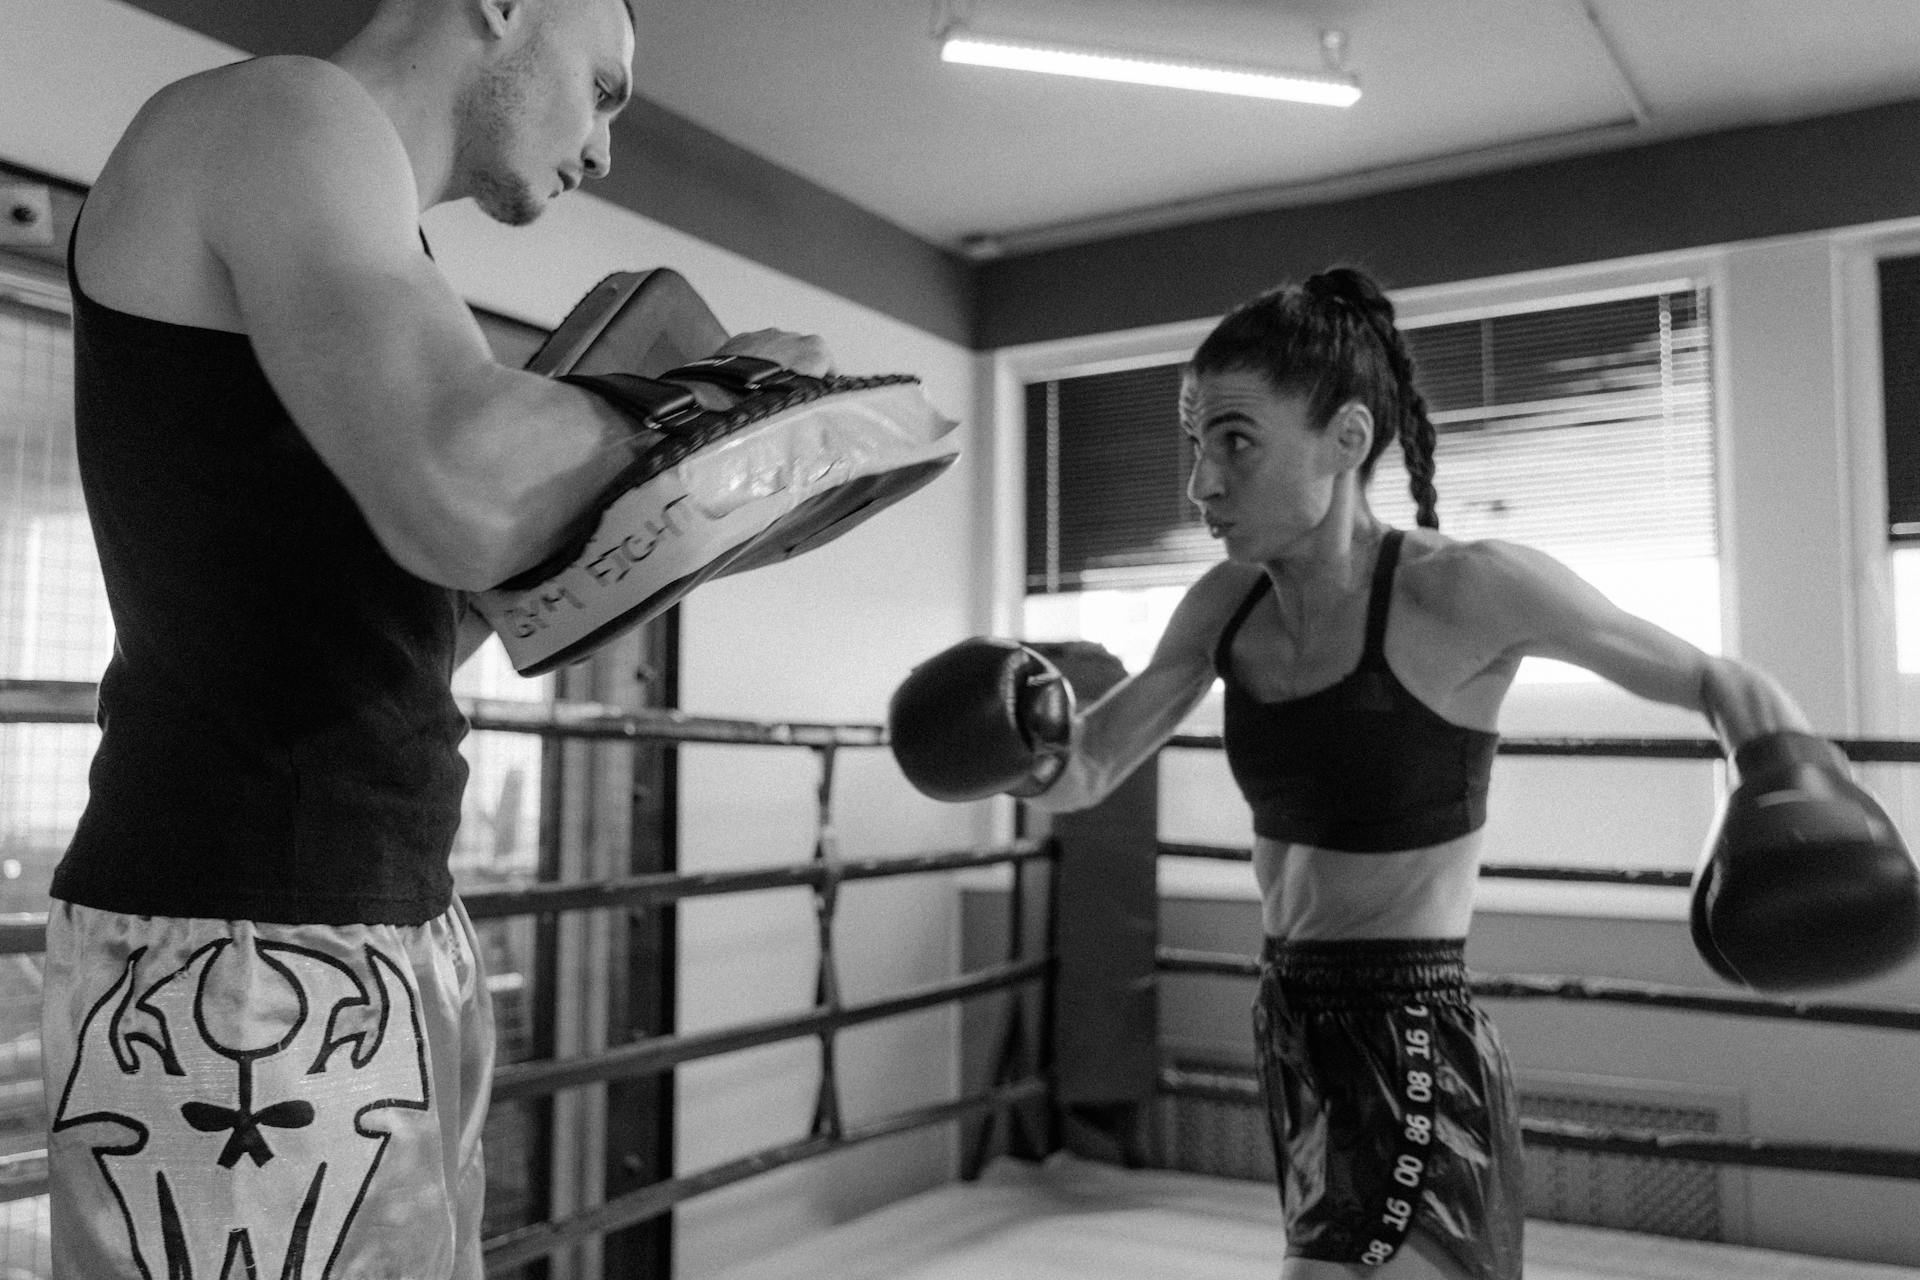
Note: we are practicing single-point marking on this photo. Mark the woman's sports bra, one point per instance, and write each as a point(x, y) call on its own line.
point(1362, 766)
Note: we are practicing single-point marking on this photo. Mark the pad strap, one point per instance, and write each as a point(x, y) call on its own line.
point(667, 404)
point(651, 404)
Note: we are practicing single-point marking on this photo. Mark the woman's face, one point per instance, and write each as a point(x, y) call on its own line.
point(1263, 477)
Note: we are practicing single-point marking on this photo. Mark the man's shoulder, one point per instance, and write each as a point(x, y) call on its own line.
point(260, 133)
point(273, 74)
point(209, 166)
point(279, 92)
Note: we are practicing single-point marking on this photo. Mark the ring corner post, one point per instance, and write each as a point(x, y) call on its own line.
point(1106, 1024)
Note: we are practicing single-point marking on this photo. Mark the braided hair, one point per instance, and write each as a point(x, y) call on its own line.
point(1333, 337)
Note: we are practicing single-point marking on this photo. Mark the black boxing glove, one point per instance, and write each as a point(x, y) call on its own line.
point(1804, 881)
point(982, 718)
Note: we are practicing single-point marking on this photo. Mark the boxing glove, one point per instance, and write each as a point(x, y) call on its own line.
point(982, 718)
point(1804, 881)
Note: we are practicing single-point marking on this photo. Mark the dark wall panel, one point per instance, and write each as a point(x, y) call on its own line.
point(1861, 166)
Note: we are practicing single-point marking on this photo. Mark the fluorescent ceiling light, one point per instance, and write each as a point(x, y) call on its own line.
point(984, 51)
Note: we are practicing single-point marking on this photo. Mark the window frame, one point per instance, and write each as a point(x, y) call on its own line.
point(1010, 369)
point(1861, 389)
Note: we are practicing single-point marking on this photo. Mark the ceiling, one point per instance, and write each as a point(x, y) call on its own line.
point(851, 95)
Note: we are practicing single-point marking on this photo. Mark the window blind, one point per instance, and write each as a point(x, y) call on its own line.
point(1585, 430)
point(1900, 380)
point(1106, 484)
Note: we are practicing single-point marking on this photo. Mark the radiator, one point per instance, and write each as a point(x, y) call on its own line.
point(1686, 1199)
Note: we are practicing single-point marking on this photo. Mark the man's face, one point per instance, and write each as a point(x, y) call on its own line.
point(536, 121)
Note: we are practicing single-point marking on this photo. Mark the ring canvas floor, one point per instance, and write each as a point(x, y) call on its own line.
point(1072, 1219)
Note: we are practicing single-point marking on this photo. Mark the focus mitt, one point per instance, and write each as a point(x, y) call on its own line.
point(791, 463)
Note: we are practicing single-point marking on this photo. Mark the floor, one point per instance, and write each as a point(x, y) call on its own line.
point(1077, 1220)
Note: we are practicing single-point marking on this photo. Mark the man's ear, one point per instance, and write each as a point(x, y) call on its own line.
point(1351, 429)
point(499, 16)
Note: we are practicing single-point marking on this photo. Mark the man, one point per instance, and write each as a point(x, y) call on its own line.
point(267, 1040)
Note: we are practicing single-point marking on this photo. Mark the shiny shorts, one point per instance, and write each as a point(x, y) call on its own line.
point(238, 1099)
point(1391, 1105)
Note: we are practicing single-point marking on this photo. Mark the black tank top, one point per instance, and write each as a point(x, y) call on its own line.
point(1362, 766)
point(278, 738)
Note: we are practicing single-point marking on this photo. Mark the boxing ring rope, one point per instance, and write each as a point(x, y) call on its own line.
point(1653, 876)
point(66, 702)
point(1859, 750)
point(1804, 1157)
point(1884, 1162)
point(1021, 1075)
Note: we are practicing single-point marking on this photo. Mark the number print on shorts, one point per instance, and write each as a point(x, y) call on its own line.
point(1415, 1045)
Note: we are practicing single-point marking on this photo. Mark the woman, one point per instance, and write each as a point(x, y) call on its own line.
point(1364, 671)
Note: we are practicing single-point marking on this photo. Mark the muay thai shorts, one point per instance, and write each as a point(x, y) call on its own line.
point(1391, 1105)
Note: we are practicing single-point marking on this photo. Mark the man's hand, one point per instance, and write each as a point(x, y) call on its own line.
point(800, 352)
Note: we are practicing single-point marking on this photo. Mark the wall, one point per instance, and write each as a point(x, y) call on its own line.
point(822, 638)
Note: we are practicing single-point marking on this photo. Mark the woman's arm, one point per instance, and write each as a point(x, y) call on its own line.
point(1119, 732)
point(1537, 607)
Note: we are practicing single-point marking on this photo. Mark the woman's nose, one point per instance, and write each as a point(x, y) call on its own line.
point(1203, 481)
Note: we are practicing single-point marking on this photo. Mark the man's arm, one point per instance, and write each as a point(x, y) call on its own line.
point(468, 471)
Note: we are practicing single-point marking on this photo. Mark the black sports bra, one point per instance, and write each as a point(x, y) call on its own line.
point(1362, 766)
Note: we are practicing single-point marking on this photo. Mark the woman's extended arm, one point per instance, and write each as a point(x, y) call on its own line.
point(1543, 609)
point(1119, 732)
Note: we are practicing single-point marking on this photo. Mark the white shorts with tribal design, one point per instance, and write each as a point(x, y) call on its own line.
point(239, 1099)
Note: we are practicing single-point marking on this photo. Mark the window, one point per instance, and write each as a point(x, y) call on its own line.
point(1899, 338)
point(52, 627)
point(53, 611)
point(1585, 430)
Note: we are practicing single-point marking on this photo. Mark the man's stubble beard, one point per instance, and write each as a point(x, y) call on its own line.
point(491, 118)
